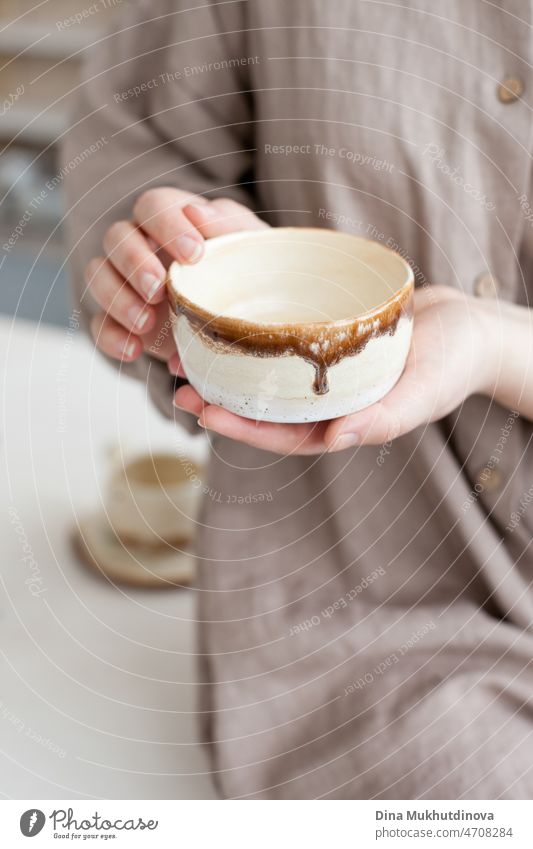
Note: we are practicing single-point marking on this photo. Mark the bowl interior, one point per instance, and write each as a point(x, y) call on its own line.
point(158, 470)
point(291, 275)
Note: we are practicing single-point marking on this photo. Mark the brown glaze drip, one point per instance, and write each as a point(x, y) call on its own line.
point(322, 344)
point(321, 382)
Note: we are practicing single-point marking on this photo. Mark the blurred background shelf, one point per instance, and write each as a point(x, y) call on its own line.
point(41, 48)
point(31, 128)
point(40, 40)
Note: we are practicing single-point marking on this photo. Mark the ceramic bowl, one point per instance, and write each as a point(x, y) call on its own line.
point(154, 499)
point(293, 324)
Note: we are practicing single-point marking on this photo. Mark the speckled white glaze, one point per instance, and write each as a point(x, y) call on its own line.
point(320, 283)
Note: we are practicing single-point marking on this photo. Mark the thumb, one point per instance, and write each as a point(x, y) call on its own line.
point(406, 406)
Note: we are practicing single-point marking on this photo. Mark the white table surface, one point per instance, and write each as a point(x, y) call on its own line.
point(97, 684)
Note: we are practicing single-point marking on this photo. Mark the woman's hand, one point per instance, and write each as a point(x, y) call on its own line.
point(450, 359)
point(128, 283)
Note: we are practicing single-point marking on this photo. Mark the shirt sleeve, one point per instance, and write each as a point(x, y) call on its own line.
point(163, 101)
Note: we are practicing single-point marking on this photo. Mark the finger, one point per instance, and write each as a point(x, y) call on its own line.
point(280, 438)
point(186, 398)
point(407, 406)
point(305, 438)
point(111, 338)
point(175, 367)
point(222, 216)
point(130, 253)
point(117, 298)
point(160, 214)
point(159, 342)
point(429, 296)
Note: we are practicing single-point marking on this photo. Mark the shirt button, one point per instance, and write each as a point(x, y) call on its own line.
point(487, 286)
point(489, 479)
point(510, 89)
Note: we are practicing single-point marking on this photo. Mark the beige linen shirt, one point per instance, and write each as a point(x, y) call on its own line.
point(365, 631)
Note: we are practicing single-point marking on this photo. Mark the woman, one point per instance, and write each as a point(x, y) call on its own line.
point(366, 632)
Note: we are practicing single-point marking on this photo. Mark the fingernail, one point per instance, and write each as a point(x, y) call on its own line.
point(150, 284)
point(188, 248)
point(129, 349)
point(345, 440)
point(138, 318)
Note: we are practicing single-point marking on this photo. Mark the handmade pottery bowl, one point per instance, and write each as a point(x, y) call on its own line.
point(154, 499)
point(293, 324)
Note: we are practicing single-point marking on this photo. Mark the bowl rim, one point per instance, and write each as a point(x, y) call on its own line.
point(257, 327)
